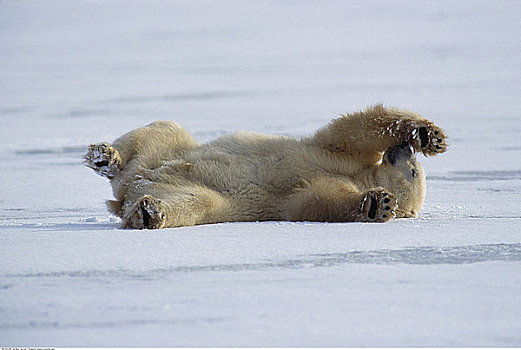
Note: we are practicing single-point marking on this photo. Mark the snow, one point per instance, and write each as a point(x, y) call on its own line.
point(75, 73)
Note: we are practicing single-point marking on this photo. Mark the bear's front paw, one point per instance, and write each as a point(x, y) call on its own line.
point(103, 159)
point(378, 205)
point(148, 213)
point(429, 139)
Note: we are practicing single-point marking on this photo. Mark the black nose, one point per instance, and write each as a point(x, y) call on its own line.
point(396, 153)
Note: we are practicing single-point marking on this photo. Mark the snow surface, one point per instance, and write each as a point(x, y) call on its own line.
point(73, 73)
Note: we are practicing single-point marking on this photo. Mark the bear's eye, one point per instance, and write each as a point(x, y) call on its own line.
point(414, 173)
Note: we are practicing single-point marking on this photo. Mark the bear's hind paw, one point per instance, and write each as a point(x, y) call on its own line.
point(103, 159)
point(147, 213)
point(378, 206)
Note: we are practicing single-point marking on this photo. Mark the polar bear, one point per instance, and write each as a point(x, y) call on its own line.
point(360, 167)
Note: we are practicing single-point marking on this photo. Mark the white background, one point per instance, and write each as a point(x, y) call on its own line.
point(78, 72)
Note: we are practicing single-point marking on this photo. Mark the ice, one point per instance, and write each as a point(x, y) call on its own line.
point(78, 73)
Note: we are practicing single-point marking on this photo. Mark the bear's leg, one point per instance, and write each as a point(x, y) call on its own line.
point(104, 159)
point(332, 200)
point(158, 205)
point(148, 146)
point(369, 133)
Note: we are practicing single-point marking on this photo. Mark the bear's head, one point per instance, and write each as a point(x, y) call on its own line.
point(403, 175)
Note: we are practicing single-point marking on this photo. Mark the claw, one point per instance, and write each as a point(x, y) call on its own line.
point(103, 159)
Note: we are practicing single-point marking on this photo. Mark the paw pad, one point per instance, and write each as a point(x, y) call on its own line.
point(378, 206)
point(103, 159)
point(147, 213)
point(430, 140)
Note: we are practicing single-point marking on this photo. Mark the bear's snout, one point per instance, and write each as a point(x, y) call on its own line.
point(393, 154)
